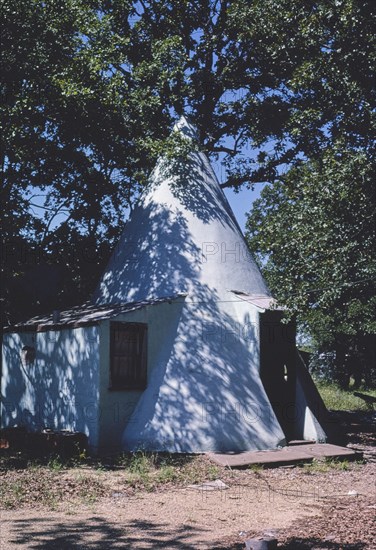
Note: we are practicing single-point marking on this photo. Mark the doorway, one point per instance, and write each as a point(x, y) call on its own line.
point(278, 369)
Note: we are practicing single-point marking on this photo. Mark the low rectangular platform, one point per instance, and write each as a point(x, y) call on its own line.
point(284, 456)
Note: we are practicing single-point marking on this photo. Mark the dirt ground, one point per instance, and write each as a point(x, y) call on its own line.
point(322, 506)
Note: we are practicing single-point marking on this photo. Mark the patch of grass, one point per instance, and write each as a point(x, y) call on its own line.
point(56, 483)
point(166, 474)
point(198, 470)
point(100, 468)
point(213, 472)
point(149, 470)
point(11, 494)
point(139, 468)
point(139, 462)
point(55, 464)
point(256, 467)
point(327, 465)
point(142, 463)
point(335, 398)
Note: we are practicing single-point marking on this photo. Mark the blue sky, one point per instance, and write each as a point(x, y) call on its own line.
point(241, 202)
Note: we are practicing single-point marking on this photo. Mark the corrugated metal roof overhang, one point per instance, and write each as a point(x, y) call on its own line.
point(262, 302)
point(85, 315)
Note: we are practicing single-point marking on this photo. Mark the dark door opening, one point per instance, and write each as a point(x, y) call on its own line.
point(278, 369)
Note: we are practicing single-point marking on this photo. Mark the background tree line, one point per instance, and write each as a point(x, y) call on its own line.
point(282, 92)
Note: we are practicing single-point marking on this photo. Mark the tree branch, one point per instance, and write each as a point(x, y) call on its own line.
point(222, 149)
point(235, 184)
point(57, 211)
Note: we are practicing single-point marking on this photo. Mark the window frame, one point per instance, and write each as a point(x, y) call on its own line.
point(140, 382)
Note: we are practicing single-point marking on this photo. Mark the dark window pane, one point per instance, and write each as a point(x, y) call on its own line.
point(128, 355)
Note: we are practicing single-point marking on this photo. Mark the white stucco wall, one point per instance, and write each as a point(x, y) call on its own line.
point(203, 393)
point(208, 395)
point(117, 406)
point(310, 409)
point(59, 390)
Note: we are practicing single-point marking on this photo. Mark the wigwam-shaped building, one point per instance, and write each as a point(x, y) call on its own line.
point(182, 349)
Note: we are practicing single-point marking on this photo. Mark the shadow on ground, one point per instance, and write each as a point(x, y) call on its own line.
point(357, 426)
point(96, 532)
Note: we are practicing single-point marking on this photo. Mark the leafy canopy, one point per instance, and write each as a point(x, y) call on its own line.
point(91, 89)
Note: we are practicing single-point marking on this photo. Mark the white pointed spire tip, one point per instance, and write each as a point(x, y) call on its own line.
point(184, 126)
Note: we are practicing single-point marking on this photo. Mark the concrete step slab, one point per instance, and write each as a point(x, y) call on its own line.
point(284, 455)
point(326, 450)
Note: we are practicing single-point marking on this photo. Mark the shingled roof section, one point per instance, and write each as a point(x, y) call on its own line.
point(84, 315)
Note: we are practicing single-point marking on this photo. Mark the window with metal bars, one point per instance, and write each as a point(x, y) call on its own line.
point(128, 356)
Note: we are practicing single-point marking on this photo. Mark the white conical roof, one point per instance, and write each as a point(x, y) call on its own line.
point(182, 237)
point(204, 390)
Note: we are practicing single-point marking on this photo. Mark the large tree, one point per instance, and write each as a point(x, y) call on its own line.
point(315, 232)
point(314, 227)
point(91, 90)
point(73, 147)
